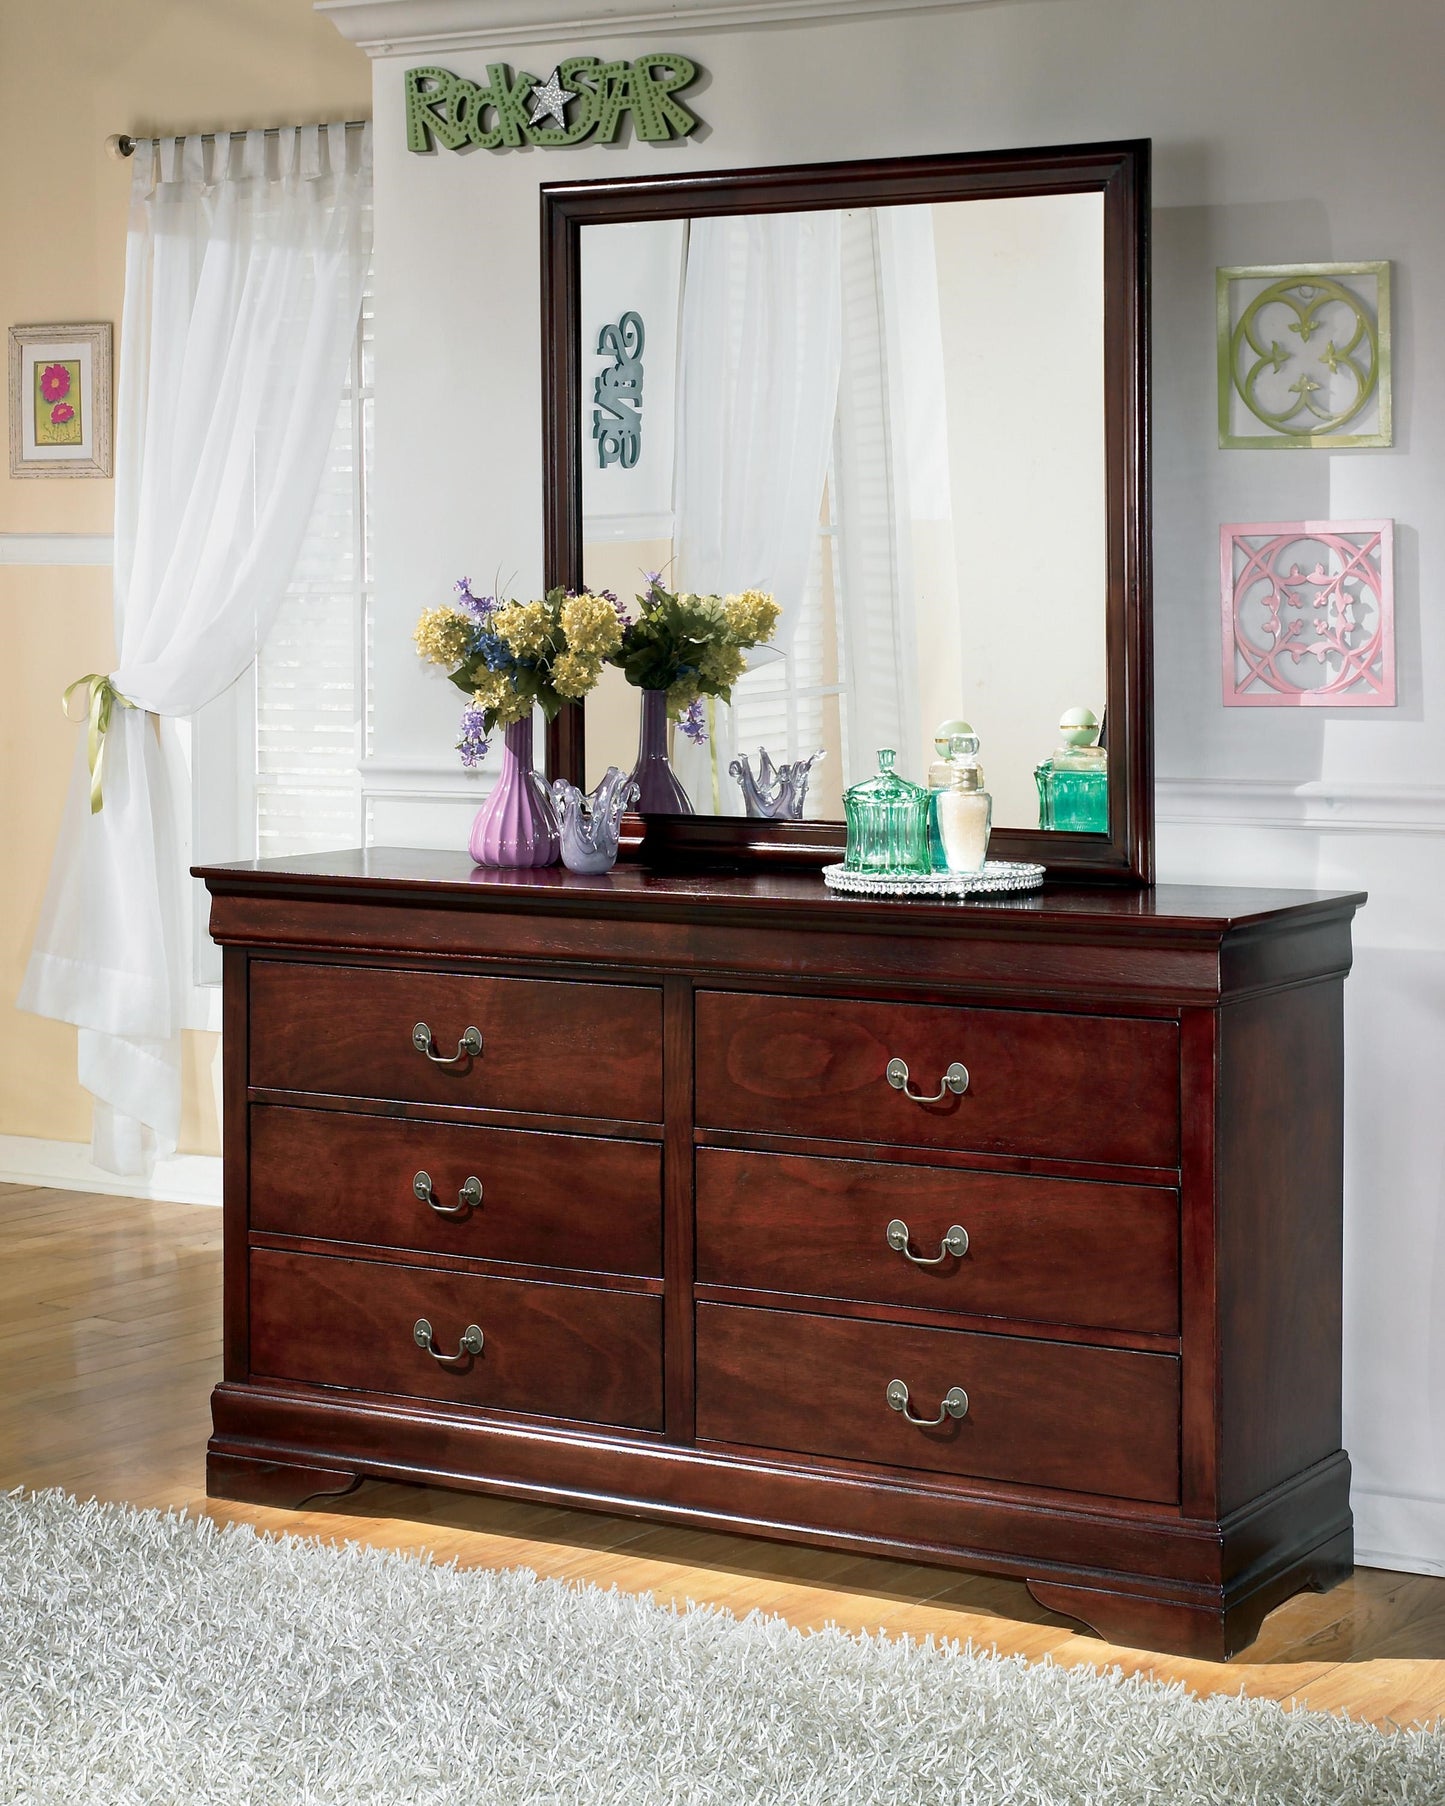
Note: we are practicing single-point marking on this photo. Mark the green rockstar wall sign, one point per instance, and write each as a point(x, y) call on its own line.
point(583, 97)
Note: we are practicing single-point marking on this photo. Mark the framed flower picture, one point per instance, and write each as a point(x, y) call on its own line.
point(60, 401)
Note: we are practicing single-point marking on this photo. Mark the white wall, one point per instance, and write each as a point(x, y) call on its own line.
point(1283, 129)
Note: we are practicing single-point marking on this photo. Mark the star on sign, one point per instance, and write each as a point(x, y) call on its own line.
point(551, 98)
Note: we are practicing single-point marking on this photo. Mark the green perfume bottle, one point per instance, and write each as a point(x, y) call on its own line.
point(1074, 782)
point(887, 823)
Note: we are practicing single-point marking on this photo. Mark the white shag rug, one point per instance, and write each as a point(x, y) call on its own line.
point(149, 1658)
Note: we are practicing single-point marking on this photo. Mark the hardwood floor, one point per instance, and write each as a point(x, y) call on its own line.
point(110, 1341)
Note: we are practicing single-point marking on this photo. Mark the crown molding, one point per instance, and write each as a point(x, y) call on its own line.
point(406, 27)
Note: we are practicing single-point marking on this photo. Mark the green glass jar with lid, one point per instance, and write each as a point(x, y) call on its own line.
point(887, 823)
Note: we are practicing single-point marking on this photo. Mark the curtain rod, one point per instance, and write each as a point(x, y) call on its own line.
point(121, 144)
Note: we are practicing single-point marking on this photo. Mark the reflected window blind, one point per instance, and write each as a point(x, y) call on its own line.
point(783, 705)
point(312, 723)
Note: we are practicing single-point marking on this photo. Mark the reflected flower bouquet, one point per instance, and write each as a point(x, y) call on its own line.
point(692, 646)
point(512, 657)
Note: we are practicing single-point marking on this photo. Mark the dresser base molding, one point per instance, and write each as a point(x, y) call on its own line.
point(1149, 1578)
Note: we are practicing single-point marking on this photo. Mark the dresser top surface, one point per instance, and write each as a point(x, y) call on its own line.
point(415, 875)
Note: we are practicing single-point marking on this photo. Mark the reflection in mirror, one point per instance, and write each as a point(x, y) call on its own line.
point(893, 419)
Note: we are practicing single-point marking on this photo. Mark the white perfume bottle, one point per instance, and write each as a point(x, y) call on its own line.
point(960, 810)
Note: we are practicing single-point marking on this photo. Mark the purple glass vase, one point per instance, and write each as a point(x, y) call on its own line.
point(516, 825)
point(658, 789)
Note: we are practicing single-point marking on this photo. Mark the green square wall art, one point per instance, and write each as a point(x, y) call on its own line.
point(1304, 356)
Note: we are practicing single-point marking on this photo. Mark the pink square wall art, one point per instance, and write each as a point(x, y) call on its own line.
point(1309, 614)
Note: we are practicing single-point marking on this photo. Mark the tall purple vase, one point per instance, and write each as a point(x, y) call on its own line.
point(658, 789)
point(517, 824)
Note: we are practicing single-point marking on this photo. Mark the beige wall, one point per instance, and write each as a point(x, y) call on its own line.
point(70, 76)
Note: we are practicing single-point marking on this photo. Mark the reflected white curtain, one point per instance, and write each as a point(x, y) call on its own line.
point(896, 582)
point(245, 264)
point(759, 358)
point(931, 687)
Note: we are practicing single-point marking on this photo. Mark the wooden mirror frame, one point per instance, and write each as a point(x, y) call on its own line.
point(1120, 172)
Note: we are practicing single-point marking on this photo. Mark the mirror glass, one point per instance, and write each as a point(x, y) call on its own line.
point(890, 417)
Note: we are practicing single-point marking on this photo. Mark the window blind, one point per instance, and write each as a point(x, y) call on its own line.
point(311, 690)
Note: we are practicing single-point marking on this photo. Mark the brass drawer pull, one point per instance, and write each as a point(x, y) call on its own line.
point(467, 1048)
point(955, 1244)
point(955, 1404)
point(468, 1198)
point(471, 1343)
point(954, 1080)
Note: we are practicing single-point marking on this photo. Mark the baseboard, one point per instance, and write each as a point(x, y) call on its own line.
point(66, 1166)
point(1398, 1530)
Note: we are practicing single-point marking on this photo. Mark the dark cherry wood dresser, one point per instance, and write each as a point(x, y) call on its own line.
point(614, 1192)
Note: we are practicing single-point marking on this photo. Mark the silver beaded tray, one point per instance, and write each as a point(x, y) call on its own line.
point(998, 875)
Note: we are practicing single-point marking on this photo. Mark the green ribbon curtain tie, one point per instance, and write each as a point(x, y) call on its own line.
point(103, 698)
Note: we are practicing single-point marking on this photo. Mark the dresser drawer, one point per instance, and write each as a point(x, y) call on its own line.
point(1051, 1250)
point(546, 1200)
point(1089, 1088)
point(1096, 1420)
point(574, 1352)
point(565, 1049)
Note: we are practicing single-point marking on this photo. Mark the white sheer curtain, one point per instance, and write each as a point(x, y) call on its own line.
point(245, 264)
point(757, 396)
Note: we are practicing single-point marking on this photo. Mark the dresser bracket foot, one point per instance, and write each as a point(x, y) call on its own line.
point(1210, 1630)
point(1169, 1626)
point(284, 1484)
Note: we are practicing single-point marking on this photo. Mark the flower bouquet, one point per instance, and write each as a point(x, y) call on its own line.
point(681, 648)
point(511, 658)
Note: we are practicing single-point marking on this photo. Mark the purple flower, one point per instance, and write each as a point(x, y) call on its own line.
point(478, 606)
point(472, 744)
point(692, 723)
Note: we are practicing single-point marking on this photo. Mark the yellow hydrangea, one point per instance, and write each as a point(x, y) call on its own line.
point(574, 673)
point(591, 626)
point(495, 693)
point(515, 708)
point(524, 627)
point(443, 636)
point(752, 616)
point(721, 665)
point(680, 698)
point(492, 689)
